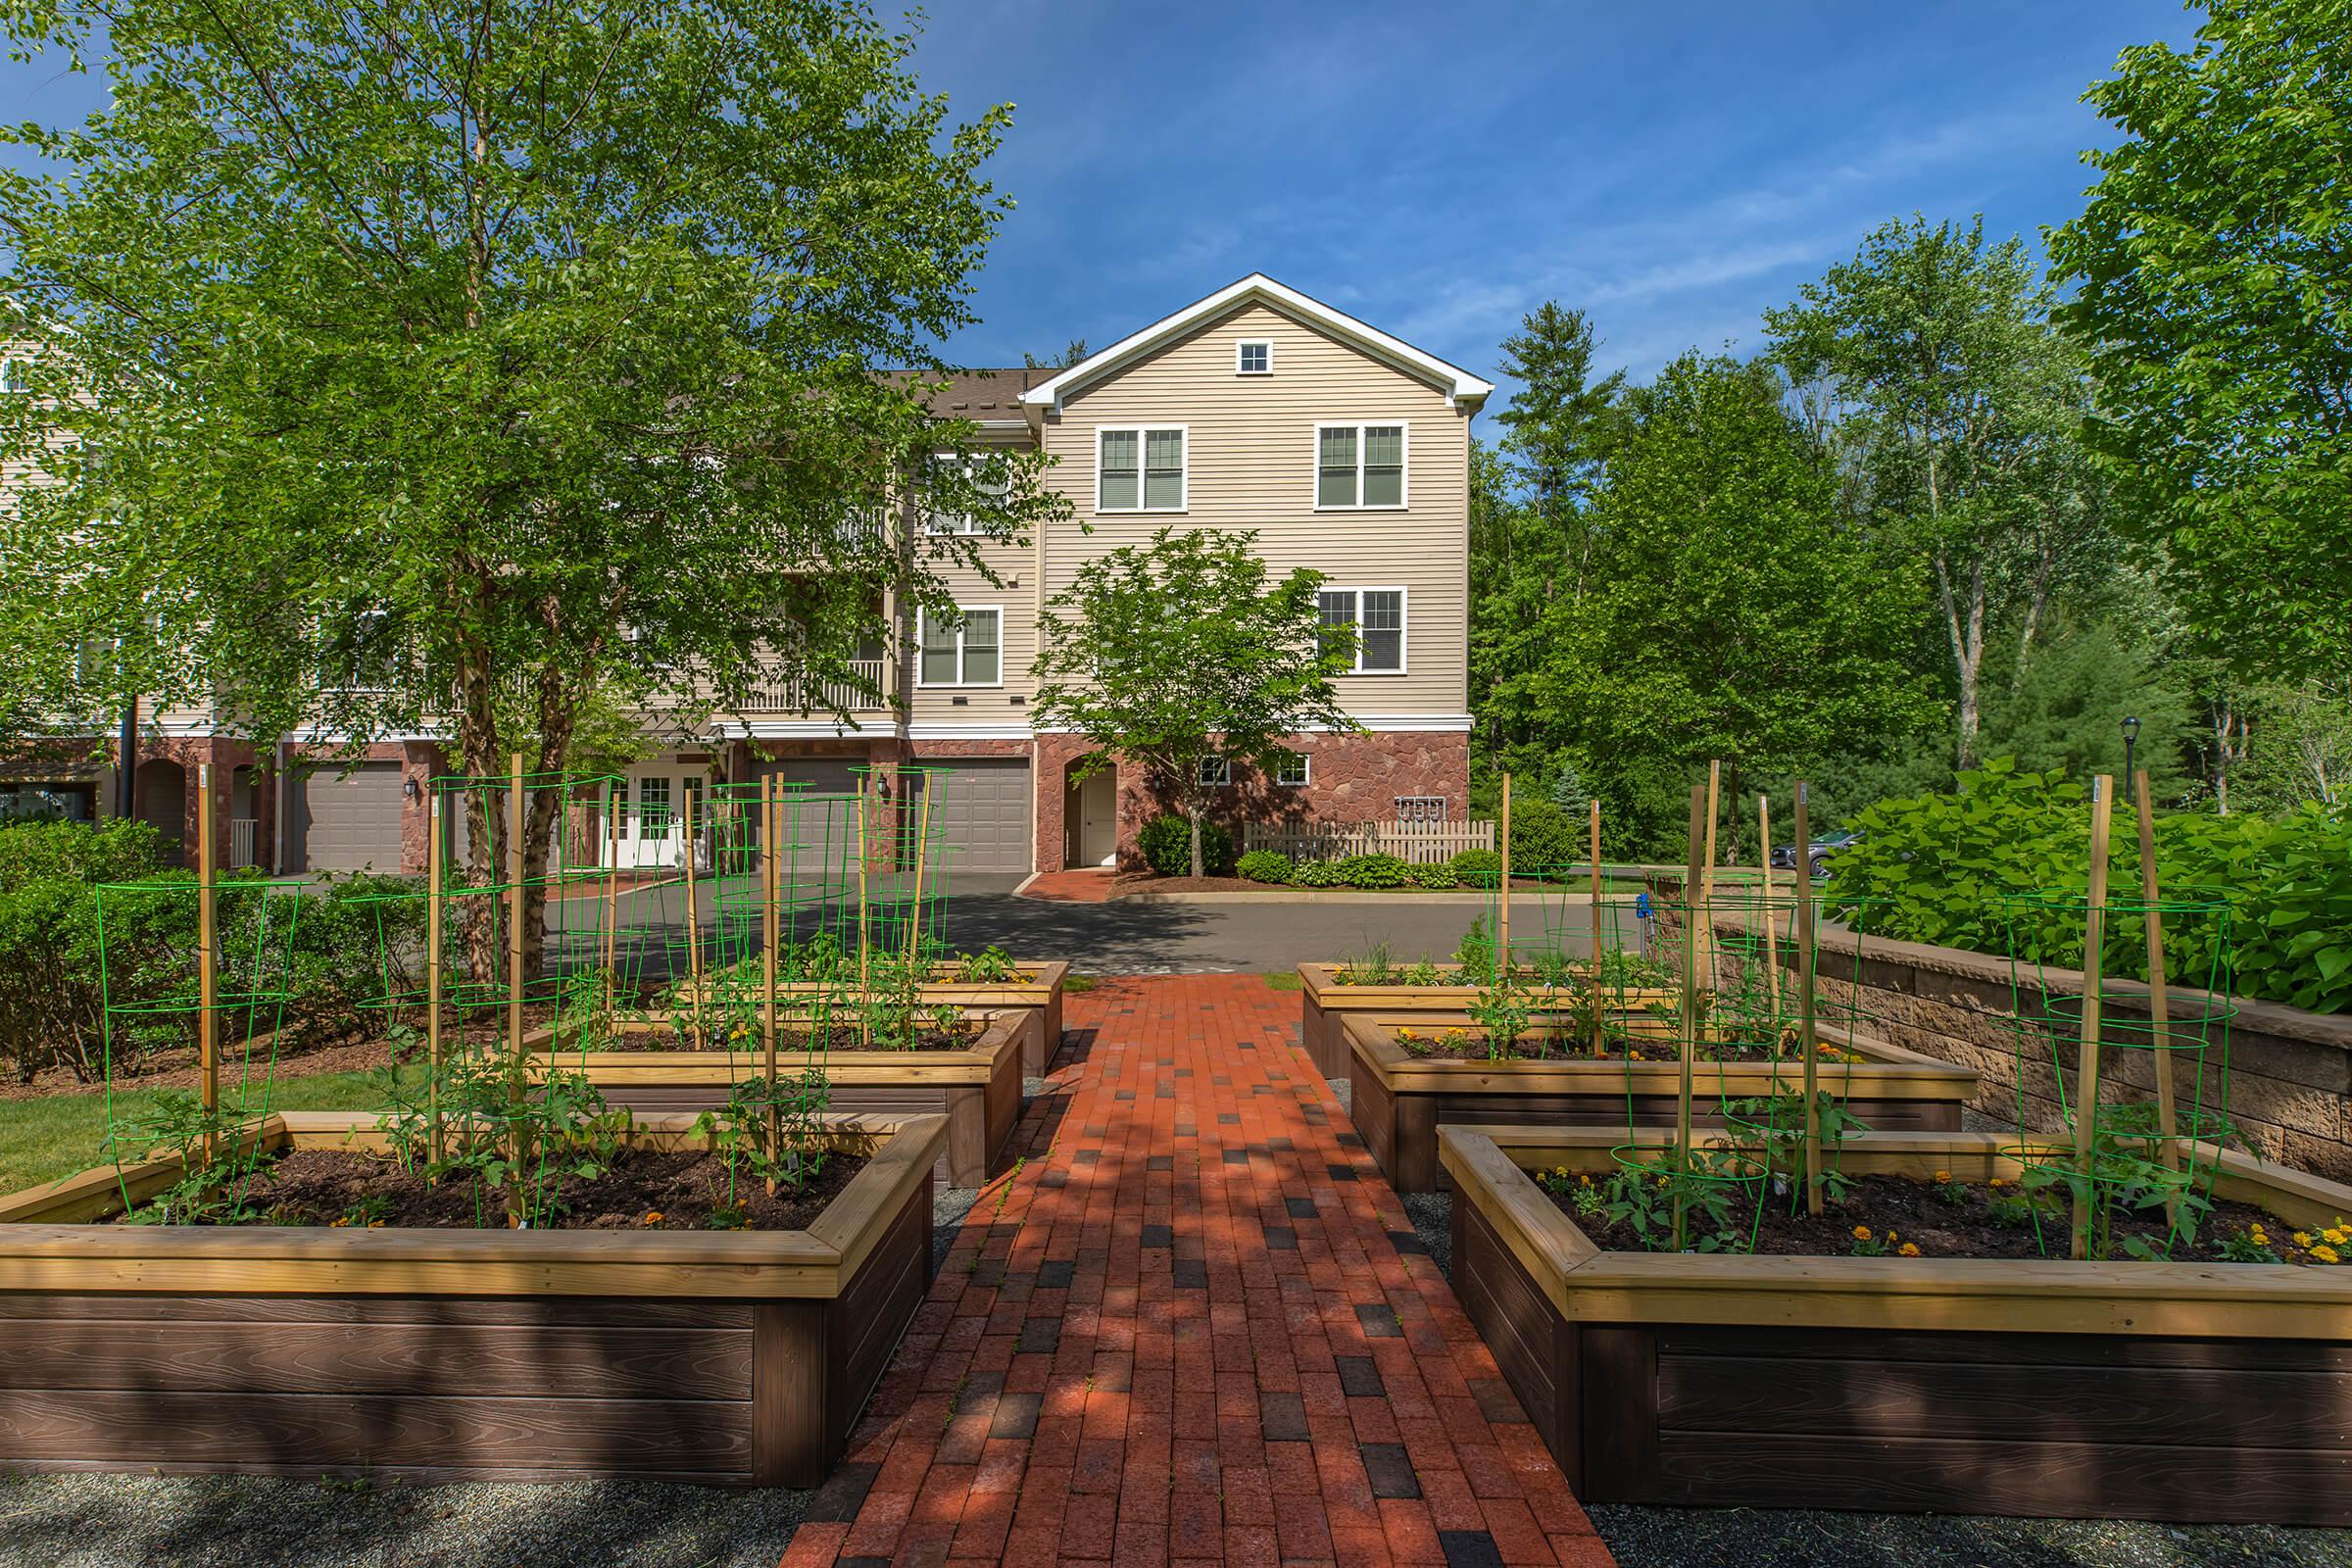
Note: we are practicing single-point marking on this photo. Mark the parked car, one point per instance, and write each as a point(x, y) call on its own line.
point(1818, 854)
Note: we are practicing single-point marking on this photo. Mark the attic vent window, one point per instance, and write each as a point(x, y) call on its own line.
point(1253, 356)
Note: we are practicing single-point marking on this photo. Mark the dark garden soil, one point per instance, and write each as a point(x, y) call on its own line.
point(641, 1190)
point(1434, 1046)
point(841, 1037)
point(1960, 1222)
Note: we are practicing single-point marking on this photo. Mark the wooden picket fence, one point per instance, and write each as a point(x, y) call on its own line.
point(1414, 843)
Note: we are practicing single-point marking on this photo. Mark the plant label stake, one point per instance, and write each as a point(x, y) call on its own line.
point(2087, 1061)
point(2159, 1008)
point(1771, 929)
point(208, 961)
point(1693, 918)
point(1594, 815)
point(772, 820)
point(514, 909)
point(433, 875)
point(694, 928)
point(1502, 921)
point(1807, 959)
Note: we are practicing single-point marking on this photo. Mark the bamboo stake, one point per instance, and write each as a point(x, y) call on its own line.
point(433, 873)
point(1598, 1032)
point(1808, 960)
point(2087, 1061)
point(1693, 918)
point(619, 801)
point(1772, 930)
point(2159, 1006)
point(922, 840)
point(207, 961)
point(865, 1016)
point(694, 927)
point(1502, 919)
point(1706, 876)
point(515, 914)
point(772, 821)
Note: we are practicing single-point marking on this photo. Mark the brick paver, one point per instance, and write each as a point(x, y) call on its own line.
point(1087, 885)
point(1194, 1326)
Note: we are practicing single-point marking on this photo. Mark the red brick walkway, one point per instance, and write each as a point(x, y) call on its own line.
point(1088, 885)
point(1193, 1327)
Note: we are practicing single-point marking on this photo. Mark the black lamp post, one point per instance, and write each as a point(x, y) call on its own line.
point(2130, 739)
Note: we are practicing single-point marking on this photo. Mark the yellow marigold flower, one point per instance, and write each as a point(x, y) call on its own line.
point(1908, 1250)
point(1586, 1180)
point(653, 1216)
point(2325, 1254)
point(1861, 1233)
point(1943, 1175)
point(2302, 1238)
point(1890, 1236)
point(375, 1224)
point(2333, 1236)
point(1998, 1181)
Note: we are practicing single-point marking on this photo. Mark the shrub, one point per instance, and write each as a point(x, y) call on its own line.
point(1166, 842)
point(1263, 865)
point(2001, 863)
point(1317, 874)
point(1544, 837)
point(1479, 868)
point(1375, 872)
point(1437, 877)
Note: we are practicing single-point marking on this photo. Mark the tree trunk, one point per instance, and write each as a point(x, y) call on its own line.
point(1963, 625)
point(1195, 814)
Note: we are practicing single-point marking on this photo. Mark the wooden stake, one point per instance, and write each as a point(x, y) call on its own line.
point(772, 818)
point(1807, 959)
point(865, 1020)
point(2087, 1061)
point(207, 961)
point(1706, 876)
point(616, 800)
point(1599, 1033)
point(922, 839)
point(1694, 915)
point(433, 873)
point(694, 927)
point(1502, 919)
point(2159, 1008)
point(1771, 928)
point(514, 912)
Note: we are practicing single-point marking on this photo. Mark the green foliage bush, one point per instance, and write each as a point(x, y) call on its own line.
point(2001, 866)
point(1478, 869)
point(333, 949)
point(1436, 877)
point(1265, 865)
point(1317, 874)
point(1375, 872)
point(1166, 842)
point(1544, 837)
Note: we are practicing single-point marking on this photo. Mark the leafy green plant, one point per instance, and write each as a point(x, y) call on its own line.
point(2122, 1175)
point(1644, 1199)
point(738, 1130)
point(1316, 874)
point(1270, 867)
point(1479, 868)
point(1777, 1123)
point(1502, 1011)
point(1167, 846)
point(1375, 872)
point(1373, 968)
point(991, 966)
point(1422, 972)
point(1437, 876)
point(1476, 951)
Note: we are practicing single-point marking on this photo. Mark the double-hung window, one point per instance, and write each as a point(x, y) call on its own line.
point(1215, 772)
point(653, 808)
point(966, 653)
point(1377, 615)
point(1292, 770)
point(1140, 468)
point(984, 474)
point(1360, 466)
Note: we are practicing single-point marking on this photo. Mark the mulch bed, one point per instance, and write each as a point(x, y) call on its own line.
point(1431, 1045)
point(841, 1037)
point(642, 1190)
point(1919, 1213)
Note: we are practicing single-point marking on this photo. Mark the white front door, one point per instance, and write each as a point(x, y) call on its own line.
point(653, 820)
point(1098, 819)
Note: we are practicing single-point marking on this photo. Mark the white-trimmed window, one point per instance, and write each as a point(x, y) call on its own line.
point(1215, 772)
point(1141, 467)
point(1253, 356)
point(16, 377)
point(1378, 616)
point(969, 653)
point(1360, 466)
point(986, 474)
point(1292, 771)
point(653, 806)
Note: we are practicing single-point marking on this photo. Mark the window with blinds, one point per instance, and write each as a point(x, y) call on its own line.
point(1377, 617)
point(1359, 465)
point(1141, 468)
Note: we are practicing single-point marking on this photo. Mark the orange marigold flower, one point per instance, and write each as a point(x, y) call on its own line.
point(653, 1216)
point(1861, 1233)
point(1943, 1175)
point(1909, 1250)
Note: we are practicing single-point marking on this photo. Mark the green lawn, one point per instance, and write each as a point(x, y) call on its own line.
point(41, 1139)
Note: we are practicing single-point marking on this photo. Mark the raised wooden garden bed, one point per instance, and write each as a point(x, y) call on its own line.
point(2199, 1391)
point(731, 1357)
point(1327, 1004)
point(1038, 989)
point(1399, 1100)
point(978, 1090)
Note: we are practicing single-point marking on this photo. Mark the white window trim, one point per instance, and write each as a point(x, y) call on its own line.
point(1314, 474)
point(922, 618)
point(965, 525)
point(1184, 480)
point(1307, 770)
point(1246, 343)
point(1404, 616)
point(1224, 778)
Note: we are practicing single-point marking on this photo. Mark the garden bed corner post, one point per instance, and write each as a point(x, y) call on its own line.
point(434, 872)
point(515, 905)
point(1599, 1034)
point(1503, 917)
point(1693, 916)
point(208, 961)
point(771, 822)
point(1808, 956)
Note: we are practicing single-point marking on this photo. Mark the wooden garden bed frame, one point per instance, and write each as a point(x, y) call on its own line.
point(2218, 1393)
point(1327, 1004)
point(978, 1090)
point(1399, 1100)
point(728, 1357)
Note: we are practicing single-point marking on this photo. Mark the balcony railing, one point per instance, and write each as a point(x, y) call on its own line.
point(789, 691)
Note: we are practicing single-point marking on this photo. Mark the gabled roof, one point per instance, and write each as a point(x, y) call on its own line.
point(1257, 288)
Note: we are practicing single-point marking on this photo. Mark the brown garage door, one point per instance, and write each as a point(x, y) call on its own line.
point(987, 805)
point(349, 821)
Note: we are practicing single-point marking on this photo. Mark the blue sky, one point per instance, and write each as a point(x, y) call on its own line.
point(1672, 168)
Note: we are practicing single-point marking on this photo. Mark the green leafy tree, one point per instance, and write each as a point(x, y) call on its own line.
point(439, 364)
point(1731, 613)
point(1932, 362)
point(2211, 272)
point(1184, 651)
point(1556, 436)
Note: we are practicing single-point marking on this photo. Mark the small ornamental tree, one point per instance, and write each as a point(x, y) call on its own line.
point(1183, 652)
